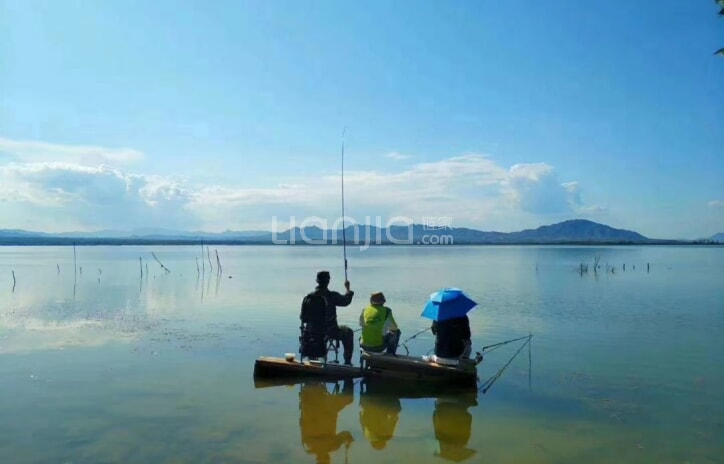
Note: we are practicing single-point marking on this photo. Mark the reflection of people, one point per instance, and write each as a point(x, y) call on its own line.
point(379, 328)
point(318, 418)
point(453, 426)
point(452, 338)
point(378, 416)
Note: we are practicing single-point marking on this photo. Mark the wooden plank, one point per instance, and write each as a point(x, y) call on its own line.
point(279, 367)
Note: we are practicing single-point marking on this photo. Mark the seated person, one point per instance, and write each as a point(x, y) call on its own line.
point(452, 339)
point(379, 329)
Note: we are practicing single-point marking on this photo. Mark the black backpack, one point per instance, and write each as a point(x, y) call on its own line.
point(314, 312)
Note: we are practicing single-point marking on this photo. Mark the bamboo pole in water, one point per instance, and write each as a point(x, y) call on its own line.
point(218, 262)
point(14, 281)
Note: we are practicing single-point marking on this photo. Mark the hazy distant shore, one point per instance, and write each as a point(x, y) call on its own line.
point(189, 242)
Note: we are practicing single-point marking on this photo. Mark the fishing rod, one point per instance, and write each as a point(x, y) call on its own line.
point(344, 234)
point(404, 344)
point(505, 342)
point(489, 383)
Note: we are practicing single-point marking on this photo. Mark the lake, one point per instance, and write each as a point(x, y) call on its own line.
point(103, 365)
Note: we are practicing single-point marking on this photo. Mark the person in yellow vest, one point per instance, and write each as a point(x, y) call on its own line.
point(379, 329)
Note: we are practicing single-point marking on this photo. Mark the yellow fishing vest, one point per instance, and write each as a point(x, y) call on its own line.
point(374, 317)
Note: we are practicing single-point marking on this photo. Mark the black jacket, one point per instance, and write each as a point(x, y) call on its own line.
point(451, 336)
point(334, 299)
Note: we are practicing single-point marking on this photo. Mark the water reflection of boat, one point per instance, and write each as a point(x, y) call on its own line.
point(453, 426)
point(380, 407)
point(452, 422)
point(378, 416)
point(319, 410)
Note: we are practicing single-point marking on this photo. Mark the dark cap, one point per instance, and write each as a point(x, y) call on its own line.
point(323, 277)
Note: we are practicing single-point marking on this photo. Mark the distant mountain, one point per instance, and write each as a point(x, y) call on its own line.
point(576, 230)
point(147, 233)
point(718, 237)
point(572, 231)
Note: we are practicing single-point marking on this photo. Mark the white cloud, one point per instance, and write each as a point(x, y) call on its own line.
point(396, 156)
point(716, 203)
point(30, 151)
point(472, 189)
point(535, 188)
point(94, 197)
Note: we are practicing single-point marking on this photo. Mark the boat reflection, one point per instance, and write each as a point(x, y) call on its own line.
point(453, 425)
point(319, 410)
point(378, 416)
point(380, 407)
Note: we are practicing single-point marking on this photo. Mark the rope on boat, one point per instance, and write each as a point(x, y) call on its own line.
point(489, 383)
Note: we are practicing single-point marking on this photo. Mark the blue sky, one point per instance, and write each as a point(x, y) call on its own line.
point(499, 115)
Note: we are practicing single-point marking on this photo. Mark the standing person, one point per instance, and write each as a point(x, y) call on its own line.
point(333, 299)
point(379, 329)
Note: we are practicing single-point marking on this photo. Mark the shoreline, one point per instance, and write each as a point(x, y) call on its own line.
point(6, 242)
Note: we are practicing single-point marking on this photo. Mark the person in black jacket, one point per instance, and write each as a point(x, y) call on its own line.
point(334, 300)
point(452, 338)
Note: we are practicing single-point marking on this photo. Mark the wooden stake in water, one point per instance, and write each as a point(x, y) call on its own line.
point(140, 264)
point(203, 263)
point(218, 262)
point(13, 281)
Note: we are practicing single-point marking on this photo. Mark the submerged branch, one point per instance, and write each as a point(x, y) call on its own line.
point(159, 262)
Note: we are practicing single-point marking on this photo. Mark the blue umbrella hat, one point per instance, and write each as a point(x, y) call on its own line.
point(448, 303)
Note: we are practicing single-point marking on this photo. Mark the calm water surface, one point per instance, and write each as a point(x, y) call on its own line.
point(106, 366)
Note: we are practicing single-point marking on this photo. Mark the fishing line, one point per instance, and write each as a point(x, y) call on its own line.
point(404, 343)
point(489, 383)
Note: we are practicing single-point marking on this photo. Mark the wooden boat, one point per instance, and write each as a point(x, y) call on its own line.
point(413, 368)
point(374, 366)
